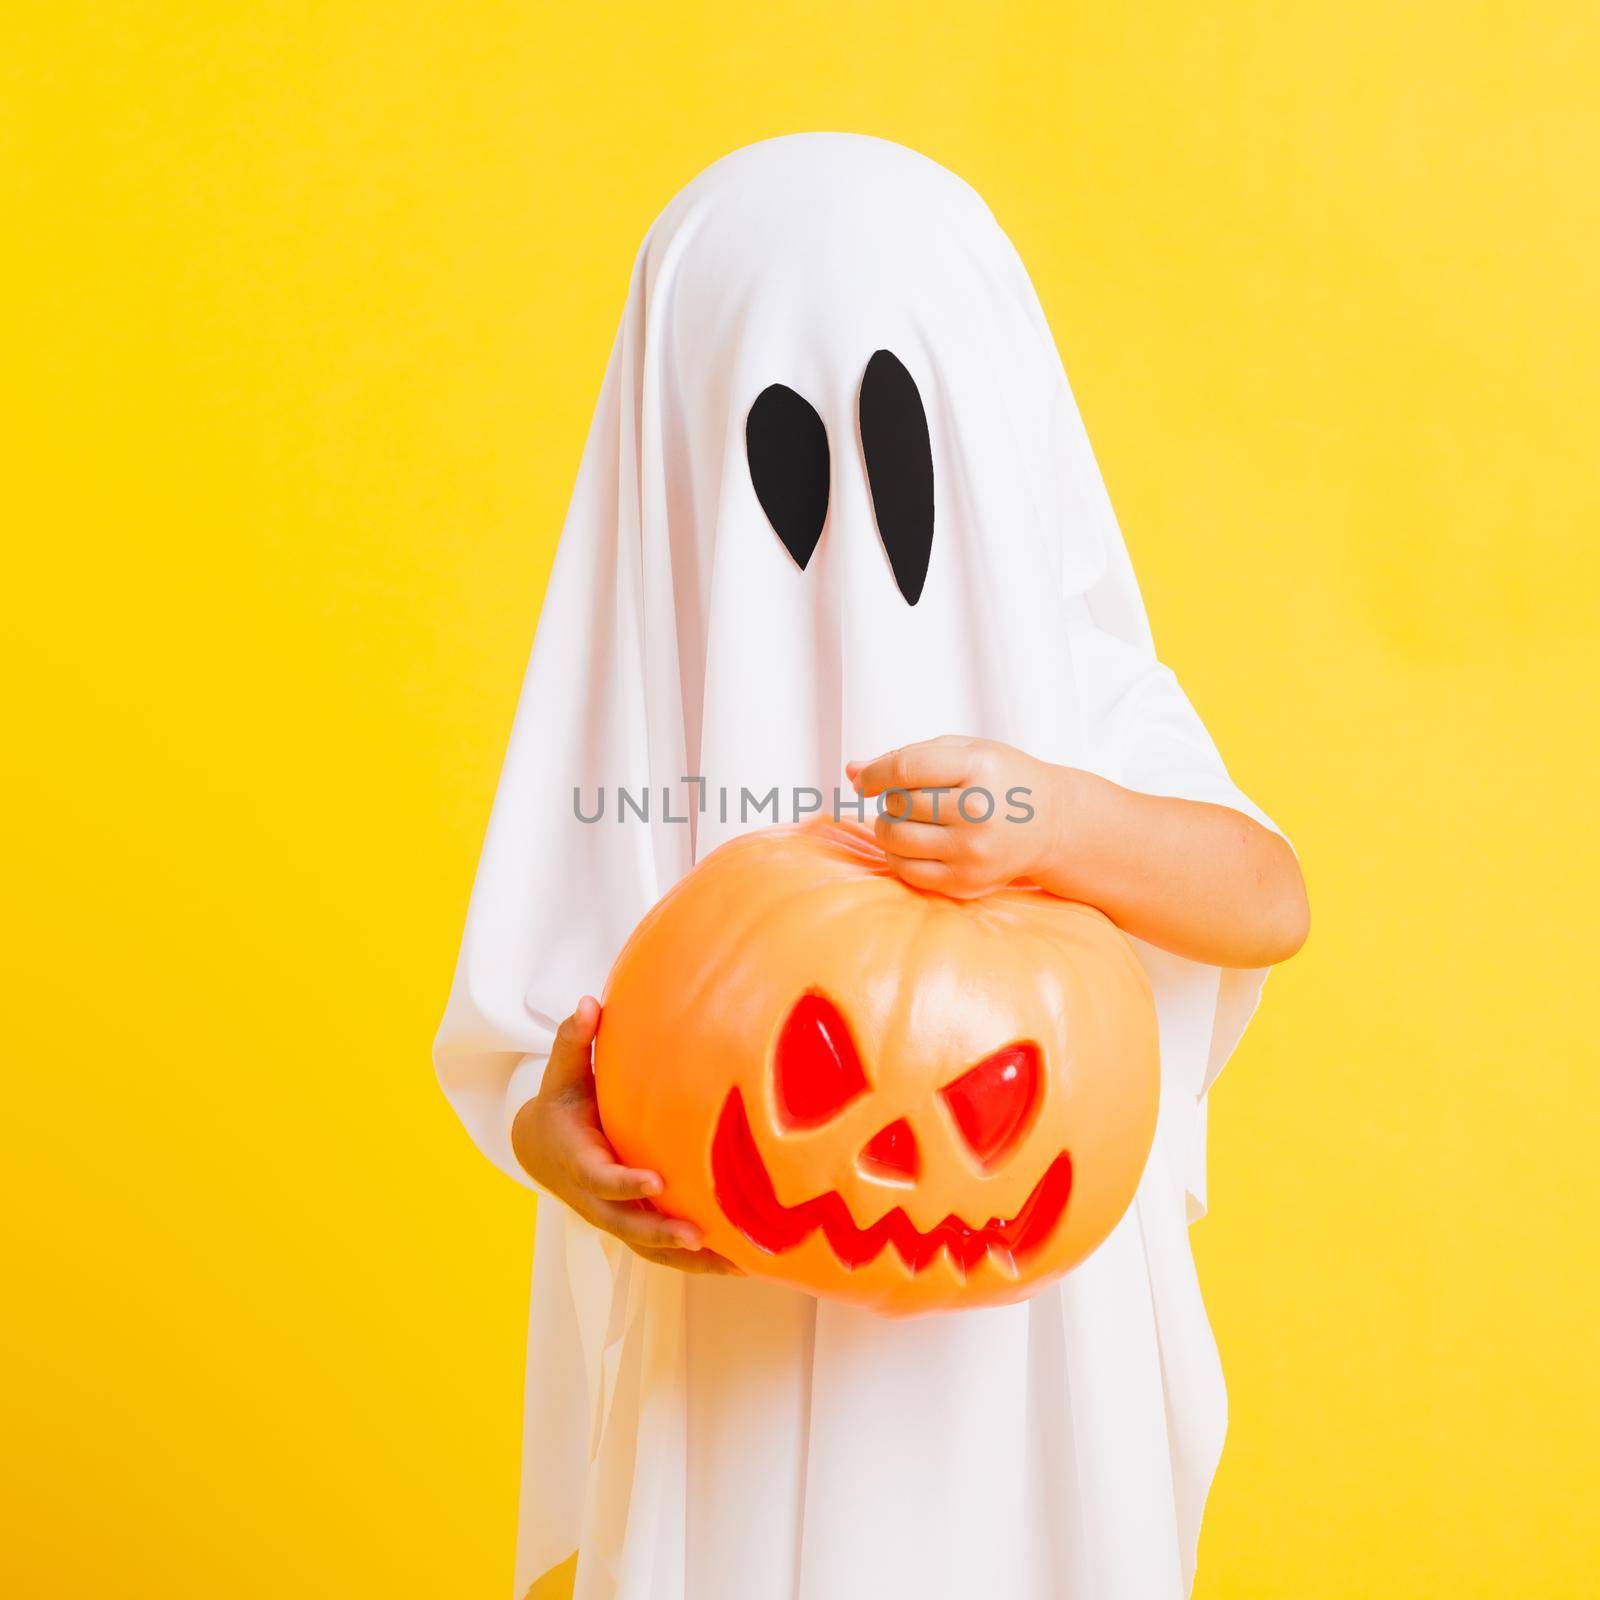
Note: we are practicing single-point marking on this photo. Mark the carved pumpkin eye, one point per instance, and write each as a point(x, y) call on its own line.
point(991, 1103)
point(817, 1069)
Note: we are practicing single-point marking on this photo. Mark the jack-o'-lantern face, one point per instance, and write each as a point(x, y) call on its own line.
point(818, 1077)
point(875, 1093)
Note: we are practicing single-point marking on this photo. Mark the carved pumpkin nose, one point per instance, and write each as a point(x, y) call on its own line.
point(892, 1152)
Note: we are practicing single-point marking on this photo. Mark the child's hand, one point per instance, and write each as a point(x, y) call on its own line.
point(978, 815)
point(557, 1139)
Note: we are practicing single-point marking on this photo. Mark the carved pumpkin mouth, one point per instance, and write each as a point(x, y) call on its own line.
point(745, 1193)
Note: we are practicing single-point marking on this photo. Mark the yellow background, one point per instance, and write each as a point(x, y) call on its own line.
point(306, 310)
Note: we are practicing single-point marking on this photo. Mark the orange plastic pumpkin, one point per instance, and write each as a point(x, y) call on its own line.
point(871, 1092)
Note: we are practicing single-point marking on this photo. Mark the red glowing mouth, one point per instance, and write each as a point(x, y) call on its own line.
point(745, 1193)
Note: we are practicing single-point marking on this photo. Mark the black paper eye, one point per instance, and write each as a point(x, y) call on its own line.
point(787, 447)
point(894, 439)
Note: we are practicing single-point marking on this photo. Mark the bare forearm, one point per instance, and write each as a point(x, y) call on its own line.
point(1203, 881)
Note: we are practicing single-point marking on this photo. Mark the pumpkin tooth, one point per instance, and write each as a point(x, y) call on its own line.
point(744, 1191)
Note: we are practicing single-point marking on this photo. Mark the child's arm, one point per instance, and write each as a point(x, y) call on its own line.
point(1200, 880)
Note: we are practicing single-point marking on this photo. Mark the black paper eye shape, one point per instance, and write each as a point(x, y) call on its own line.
point(787, 447)
point(894, 439)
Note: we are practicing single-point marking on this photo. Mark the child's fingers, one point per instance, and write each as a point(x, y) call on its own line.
point(690, 1261)
point(922, 874)
point(917, 841)
point(612, 1182)
point(934, 763)
point(569, 1055)
point(644, 1229)
point(922, 805)
point(594, 1165)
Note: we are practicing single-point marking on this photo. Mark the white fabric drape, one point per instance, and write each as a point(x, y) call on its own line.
point(710, 1439)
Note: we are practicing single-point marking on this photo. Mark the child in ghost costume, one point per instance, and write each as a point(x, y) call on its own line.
point(700, 1436)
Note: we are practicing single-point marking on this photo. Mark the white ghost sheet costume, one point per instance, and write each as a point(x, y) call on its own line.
point(723, 1439)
